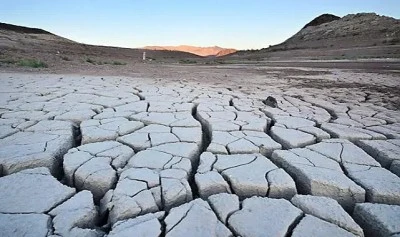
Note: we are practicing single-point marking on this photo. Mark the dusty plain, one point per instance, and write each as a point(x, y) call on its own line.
point(165, 149)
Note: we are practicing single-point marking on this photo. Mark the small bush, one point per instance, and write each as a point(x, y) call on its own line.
point(8, 61)
point(119, 63)
point(65, 58)
point(34, 63)
point(89, 60)
point(394, 41)
point(187, 61)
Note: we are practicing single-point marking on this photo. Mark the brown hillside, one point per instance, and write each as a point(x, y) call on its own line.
point(354, 30)
point(324, 18)
point(18, 43)
point(363, 35)
point(22, 29)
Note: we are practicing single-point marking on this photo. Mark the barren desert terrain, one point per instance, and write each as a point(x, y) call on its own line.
point(95, 141)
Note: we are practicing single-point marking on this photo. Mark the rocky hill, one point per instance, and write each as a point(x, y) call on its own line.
point(18, 43)
point(354, 36)
point(201, 51)
point(324, 18)
point(354, 30)
point(22, 29)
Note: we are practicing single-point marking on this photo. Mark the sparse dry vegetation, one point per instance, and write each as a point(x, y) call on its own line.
point(187, 61)
point(118, 63)
point(34, 63)
point(99, 62)
point(25, 62)
point(65, 58)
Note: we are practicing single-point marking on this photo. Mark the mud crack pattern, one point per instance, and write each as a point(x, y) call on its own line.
point(91, 156)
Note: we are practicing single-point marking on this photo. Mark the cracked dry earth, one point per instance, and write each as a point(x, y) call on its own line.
point(93, 156)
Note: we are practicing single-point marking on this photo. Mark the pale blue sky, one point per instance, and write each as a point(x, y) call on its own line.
point(227, 23)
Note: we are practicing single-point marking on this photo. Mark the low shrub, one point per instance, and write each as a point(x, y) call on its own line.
point(34, 63)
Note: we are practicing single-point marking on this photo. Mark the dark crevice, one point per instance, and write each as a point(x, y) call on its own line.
point(77, 136)
point(102, 222)
point(76, 132)
point(183, 217)
point(269, 182)
point(367, 96)
point(73, 184)
point(228, 150)
point(60, 203)
point(341, 160)
point(163, 225)
point(162, 197)
point(227, 180)
point(227, 221)
point(213, 163)
point(304, 157)
point(294, 224)
point(136, 150)
point(224, 222)
point(395, 233)
point(141, 97)
point(269, 126)
point(148, 106)
point(52, 229)
point(205, 142)
point(166, 163)
point(347, 111)
point(299, 186)
point(243, 164)
point(330, 112)
point(231, 102)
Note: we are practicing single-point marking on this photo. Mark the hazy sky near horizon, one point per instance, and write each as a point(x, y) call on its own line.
point(226, 23)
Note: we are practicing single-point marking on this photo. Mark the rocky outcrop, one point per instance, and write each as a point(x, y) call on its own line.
point(353, 30)
point(324, 18)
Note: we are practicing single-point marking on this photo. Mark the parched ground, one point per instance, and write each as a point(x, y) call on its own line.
point(228, 150)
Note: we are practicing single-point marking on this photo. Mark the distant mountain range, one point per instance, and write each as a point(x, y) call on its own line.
point(201, 51)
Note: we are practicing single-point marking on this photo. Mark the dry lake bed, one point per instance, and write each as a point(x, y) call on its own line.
point(275, 152)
